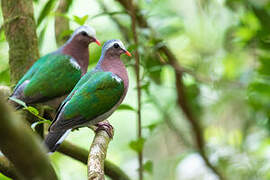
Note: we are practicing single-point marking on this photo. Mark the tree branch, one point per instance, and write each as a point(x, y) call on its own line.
point(196, 127)
point(17, 140)
point(19, 144)
point(20, 31)
point(8, 169)
point(98, 151)
point(80, 154)
point(134, 8)
point(132, 11)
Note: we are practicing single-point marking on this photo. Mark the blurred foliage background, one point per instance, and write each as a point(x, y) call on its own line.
point(223, 48)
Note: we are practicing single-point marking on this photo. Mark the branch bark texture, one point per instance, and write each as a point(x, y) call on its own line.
point(21, 146)
point(80, 154)
point(8, 169)
point(20, 31)
point(97, 155)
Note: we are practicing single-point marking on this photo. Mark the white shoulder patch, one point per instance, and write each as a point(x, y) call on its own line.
point(74, 63)
point(118, 79)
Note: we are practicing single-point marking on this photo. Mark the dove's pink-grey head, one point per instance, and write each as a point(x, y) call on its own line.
point(84, 35)
point(77, 45)
point(110, 60)
point(113, 48)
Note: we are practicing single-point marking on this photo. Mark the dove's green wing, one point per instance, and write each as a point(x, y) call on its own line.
point(98, 95)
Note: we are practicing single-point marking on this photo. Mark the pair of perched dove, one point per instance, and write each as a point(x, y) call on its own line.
point(92, 96)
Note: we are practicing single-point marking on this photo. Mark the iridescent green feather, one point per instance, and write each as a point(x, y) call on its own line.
point(84, 79)
point(95, 97)
point(33, 69)
point(51, 76)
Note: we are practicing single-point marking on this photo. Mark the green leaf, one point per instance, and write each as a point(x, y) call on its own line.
point(172, 29)
point(126, 107)
point(2, 34)
point(148, 167)
point(18, 101)
point(65, 33)
point(45, 11)
point(33, 126)
point(137, 145)
point(41, 37)
point(132, 47)
point(145, 86)
point(80, 20)
point(153, 67)
point(5, 77)
point(32, 110)
point(153, 126)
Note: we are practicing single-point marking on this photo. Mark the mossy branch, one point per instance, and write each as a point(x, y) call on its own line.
point(8, 169)
point(20, 31)
point(69, 149)
point(21, 146)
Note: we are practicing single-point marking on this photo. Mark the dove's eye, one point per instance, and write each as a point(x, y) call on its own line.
point(116, 46)
point(84, 33)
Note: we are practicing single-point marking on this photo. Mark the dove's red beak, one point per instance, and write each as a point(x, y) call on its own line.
point(97, 41)
point(128, 53)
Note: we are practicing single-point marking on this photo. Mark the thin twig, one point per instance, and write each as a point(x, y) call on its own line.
point(138, 82)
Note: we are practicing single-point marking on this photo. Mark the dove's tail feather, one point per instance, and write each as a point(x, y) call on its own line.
point(55, 138)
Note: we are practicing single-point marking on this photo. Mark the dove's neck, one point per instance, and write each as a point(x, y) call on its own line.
point(114, 64)
point(79, 51)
